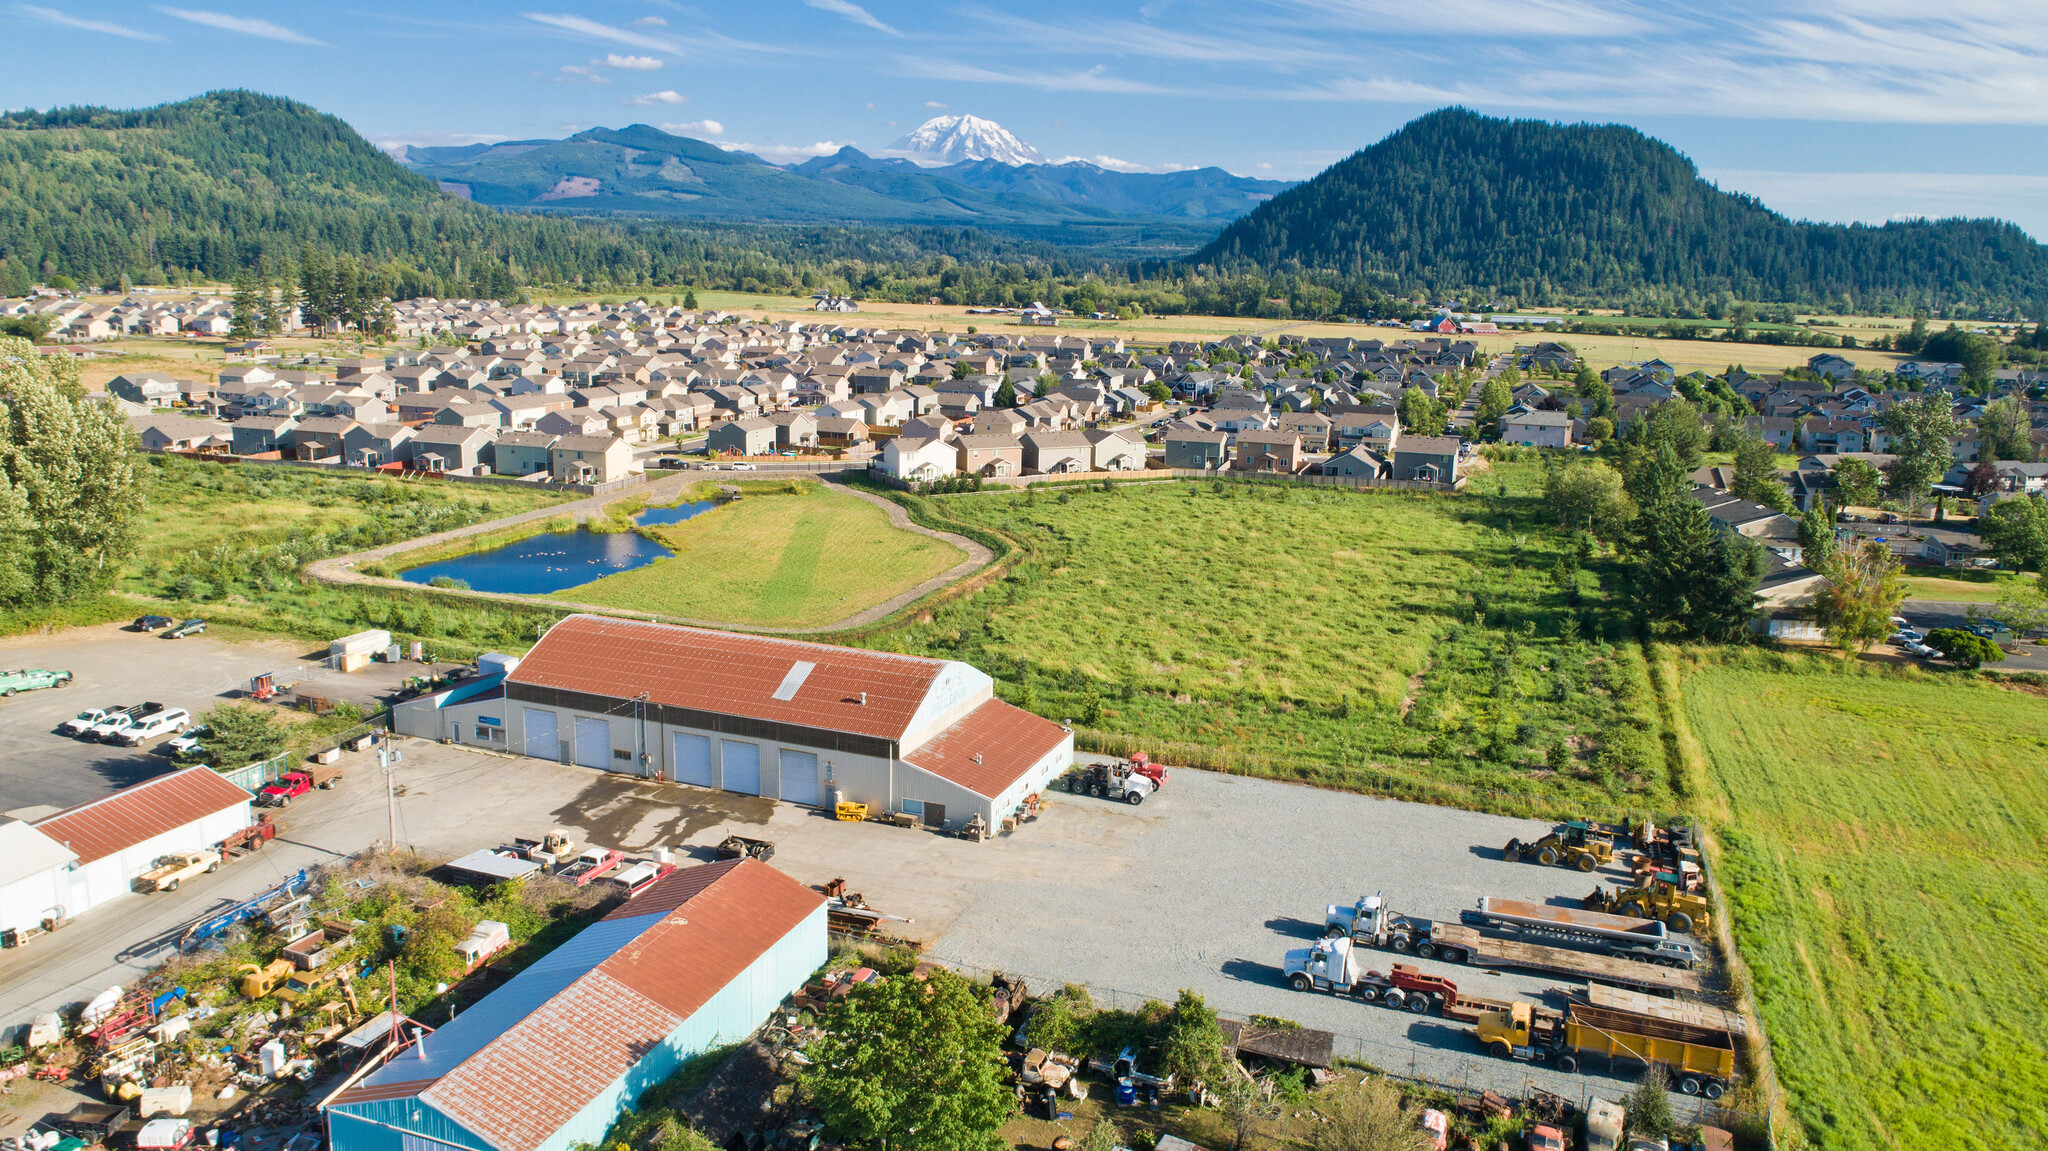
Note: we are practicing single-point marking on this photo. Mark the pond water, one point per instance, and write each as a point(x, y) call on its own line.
point(557, 560)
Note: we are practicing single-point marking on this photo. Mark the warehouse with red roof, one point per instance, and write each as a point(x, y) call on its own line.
point(551, 1059)
point(806, 723)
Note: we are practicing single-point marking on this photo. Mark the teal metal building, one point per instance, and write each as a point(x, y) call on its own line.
point(549, 1060)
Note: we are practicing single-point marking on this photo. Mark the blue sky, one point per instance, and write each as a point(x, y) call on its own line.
point(1852, 110)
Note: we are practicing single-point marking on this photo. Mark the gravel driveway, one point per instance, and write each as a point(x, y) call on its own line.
point(1211, 881)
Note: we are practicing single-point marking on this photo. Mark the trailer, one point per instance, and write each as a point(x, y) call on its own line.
point(1336, 966)
point(1700, 1059)
point(1623, 936)
point(201, 931)
point(1371, 923)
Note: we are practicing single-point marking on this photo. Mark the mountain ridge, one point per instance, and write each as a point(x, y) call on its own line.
point(1530, 207)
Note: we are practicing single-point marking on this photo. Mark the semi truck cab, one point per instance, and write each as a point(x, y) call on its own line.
point(1508, 1033)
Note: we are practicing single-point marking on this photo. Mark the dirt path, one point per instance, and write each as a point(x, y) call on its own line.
point(342, 570)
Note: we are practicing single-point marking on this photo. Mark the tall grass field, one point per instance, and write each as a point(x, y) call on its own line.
point(1885, 852)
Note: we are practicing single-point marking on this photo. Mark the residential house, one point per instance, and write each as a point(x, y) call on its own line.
point(841, 432)
point(1317, 431)
point(522, 453)
point(174, 433)
point(256, 435)
point(1432, 459)
point(1049, 452)
point(1268, 451)
point(451, 448)
point(1781, 432)
point(1376, 431)
point(589, 459)
point(1537, 429)
point(749, 437)
point(1197, 448)
point(1356, 462)
point(320, 437)
point(574, 422)
point(795, 431)
point(1832, 367)
point(990, 456)
point(153, 391)
point(1767, 526)
point(1831, 436)
point(917, 458)
point(373, 445)
point(1116, 450)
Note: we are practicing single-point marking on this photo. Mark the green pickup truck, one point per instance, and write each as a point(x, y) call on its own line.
point(31, 678)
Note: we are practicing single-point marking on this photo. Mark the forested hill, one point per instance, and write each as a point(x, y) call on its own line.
point(1528, 208)
point(232, 183)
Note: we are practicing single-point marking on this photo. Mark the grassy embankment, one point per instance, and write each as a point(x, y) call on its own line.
point(1884, 846)
point(226, 542)
point(1407, 643)
point(790, 555)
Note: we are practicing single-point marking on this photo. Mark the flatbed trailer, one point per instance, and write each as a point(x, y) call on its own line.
point(1459, 944)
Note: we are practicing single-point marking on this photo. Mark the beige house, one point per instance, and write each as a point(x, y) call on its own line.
point(589, 459)
point(990, 456)
point(1268, 451)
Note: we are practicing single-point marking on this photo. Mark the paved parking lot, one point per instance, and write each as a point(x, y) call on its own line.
point(43, 771)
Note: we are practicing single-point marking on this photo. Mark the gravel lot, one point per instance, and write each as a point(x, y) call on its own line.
point(1209, 883)
point(113, 665)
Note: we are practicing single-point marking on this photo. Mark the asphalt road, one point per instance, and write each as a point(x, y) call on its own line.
point(1925, 615)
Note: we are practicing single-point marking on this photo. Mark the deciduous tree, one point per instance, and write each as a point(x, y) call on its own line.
point(1964, 649)
point(1587, 496)
point(1862, 596)
point(2015, 529)
point(909, 1065)
point(69, 489)
point(1856, 482)
point(1921, 429)
point(2002, 431)
point(1756, 473)
point(1421, 414)
point(1817, 541)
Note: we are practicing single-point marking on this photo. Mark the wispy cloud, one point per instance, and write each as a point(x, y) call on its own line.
point(696, 128)
point(649, 99)
point(1096, 79)
point(1115, 165)
point(65, 19)
point(651, 22)
point(787, 153)
point(244, 25)
point(588, 73)
point(584, 26)
point(853, 12)
point(1507, 18)
point(398, 142)
point(631, 63)
point(927, 103)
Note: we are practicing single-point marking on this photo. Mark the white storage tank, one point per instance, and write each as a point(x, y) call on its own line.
point(363, 643)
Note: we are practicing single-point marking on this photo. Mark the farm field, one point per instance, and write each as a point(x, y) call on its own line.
point(1882, 850)
point(777, 559)
point(1316, 634)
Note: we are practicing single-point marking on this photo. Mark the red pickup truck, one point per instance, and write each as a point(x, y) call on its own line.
point(293, 784)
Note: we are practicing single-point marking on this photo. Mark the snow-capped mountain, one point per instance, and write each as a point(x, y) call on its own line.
point(953, 139)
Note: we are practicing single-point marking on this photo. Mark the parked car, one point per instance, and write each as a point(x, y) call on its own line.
point(1906, 635)
point(1915, 647)
point(169, 721)
point(109, 729)
point(189, 627)
point(742, 467)
point(31, 678)
point(189, 741)
point(153, 623)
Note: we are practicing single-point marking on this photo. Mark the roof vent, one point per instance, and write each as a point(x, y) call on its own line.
point(863, 699)
point(976, 757)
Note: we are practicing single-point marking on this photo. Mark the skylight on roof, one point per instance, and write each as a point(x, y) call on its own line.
point(798, 672)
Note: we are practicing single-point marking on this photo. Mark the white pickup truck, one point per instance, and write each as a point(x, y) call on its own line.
point(169, 721)
point(83, 722)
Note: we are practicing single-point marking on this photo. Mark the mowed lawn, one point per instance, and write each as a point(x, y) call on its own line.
point(1884, 850)
point(777, 560)
point(1967, 587)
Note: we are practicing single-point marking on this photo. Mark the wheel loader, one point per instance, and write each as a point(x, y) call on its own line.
point(1658, 898)
point(1574, 845)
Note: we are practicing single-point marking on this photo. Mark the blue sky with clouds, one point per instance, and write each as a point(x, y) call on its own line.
point(1849, 110)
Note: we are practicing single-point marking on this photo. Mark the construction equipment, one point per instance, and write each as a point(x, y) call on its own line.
point(305, 983)
point(258, 982)
point(1701, 1060)
point(1371, 923)
point(976, 829)
point(550, 850)
point(846, 811)
point(175, 868)
point(1623, 936)
point(740, 847)
point(200, 931)
point(271, 684)
point(1577, 845)
point(1658, 897)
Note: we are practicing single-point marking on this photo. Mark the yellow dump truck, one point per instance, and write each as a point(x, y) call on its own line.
point(1700, 1058)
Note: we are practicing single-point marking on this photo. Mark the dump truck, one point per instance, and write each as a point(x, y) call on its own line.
point(175, 868)
point(32, 678)
point(1700, 1060)
point(1623, 936)
point(1658, 897)
point(1371, 923)
point(1575, 845)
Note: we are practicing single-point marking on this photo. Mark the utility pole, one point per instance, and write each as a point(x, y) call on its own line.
point(640, 714)
point(387, 757)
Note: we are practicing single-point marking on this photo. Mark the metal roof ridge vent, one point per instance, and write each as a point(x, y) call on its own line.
point(798, 673)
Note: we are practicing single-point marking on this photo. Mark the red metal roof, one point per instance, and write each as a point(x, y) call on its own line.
point(1009, 740)
point(523, 1086)
point(732, 674)
point(98, 829)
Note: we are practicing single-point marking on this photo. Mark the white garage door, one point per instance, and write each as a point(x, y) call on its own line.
point(593, 742)
point(543, 738)
point(800, 777)
point(742, 766)
point(690, 758)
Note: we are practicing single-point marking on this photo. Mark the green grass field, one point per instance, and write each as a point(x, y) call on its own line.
point(777, 559)
point(1314, 633)
point(1883, 848)
point(1957, 586)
